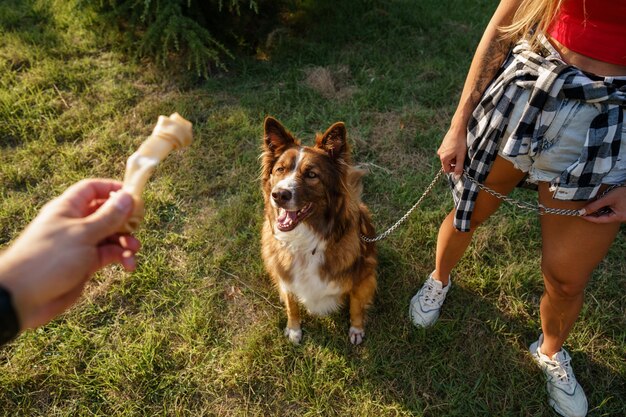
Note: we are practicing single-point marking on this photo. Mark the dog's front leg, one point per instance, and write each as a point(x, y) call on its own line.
point(357, 330)
point(360, 298)
point(293, 330)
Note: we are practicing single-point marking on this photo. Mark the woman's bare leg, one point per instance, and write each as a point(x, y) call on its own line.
point(451, 244)
point(571, 250)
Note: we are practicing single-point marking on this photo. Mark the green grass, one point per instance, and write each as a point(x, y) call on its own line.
point(197, 329)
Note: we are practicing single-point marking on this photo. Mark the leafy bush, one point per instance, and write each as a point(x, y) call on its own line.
point(202, 32)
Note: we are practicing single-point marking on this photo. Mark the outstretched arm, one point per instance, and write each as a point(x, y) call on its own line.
point(74, 235)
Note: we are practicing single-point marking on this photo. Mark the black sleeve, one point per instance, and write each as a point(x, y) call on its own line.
point(9, 324)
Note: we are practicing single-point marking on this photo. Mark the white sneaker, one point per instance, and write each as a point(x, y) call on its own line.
point(565, 394)
point(426, 304)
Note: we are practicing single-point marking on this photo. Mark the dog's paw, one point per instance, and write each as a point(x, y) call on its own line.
point(356, 335)
point(294, 335)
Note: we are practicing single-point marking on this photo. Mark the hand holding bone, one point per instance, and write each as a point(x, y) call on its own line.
point(169, 133)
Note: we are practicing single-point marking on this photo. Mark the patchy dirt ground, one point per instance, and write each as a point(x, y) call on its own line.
point(331, 82)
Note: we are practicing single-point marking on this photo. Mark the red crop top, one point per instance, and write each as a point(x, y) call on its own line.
point(594, 28)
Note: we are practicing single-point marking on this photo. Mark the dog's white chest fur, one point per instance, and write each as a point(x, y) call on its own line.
point(318, 296)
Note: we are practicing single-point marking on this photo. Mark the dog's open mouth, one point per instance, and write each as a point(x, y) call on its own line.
point(288, 220)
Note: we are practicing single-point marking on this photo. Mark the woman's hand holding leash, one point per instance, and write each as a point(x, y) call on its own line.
point(452, 151)
point(609, 208)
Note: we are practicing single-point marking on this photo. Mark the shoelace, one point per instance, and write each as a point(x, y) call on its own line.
point(562, 370)
point(431, 295)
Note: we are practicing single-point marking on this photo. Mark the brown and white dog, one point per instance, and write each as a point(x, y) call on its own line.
point(313, 219)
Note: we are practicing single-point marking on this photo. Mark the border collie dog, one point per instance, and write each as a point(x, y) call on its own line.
point(313, 219)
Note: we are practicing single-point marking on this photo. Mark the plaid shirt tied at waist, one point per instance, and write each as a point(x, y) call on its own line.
point(549, 80)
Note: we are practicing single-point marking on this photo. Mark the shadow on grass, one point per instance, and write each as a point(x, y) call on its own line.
point(229, 356)
point(31, 23)
point(474, 361)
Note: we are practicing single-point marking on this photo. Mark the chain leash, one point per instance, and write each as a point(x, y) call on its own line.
point(406, 216)
point(538, 208)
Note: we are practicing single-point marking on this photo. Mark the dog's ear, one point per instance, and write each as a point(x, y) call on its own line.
point(354, 180)
point(276, 138)
point(334, 142)
point(355, 176)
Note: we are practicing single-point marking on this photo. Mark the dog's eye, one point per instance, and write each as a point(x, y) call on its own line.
point(310, 174)
point(280, 169)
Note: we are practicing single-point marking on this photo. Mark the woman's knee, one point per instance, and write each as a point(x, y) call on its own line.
point(564, 284)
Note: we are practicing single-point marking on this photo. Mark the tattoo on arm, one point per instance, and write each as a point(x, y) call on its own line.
point(490, 63)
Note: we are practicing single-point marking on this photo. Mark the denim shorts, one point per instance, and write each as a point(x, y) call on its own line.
point(562, 143)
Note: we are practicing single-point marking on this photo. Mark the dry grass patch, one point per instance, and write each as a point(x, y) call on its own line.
point(331, 82)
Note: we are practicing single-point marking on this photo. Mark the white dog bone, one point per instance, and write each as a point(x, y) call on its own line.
point(169, 133)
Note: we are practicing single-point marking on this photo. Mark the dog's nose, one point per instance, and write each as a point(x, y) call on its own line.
point(281, 196)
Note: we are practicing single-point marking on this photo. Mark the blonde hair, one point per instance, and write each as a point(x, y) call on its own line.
point(531, 14)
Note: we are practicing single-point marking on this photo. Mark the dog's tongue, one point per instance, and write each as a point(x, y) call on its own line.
point(283, 215)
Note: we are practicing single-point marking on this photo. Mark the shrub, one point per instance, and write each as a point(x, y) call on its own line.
point(204, 33)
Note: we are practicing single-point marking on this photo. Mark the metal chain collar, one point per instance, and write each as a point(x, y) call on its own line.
point(539, 208)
